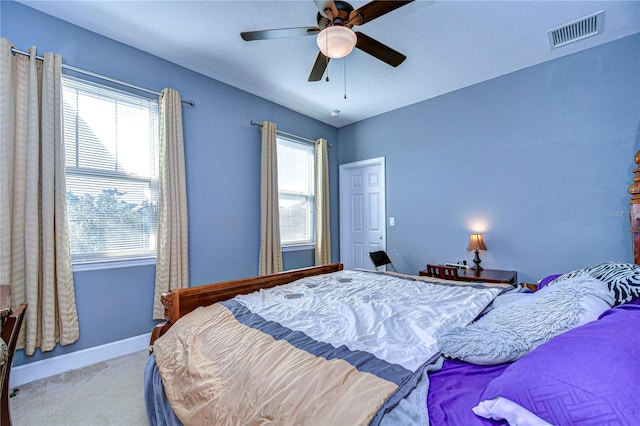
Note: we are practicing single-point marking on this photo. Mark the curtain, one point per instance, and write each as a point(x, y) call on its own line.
point(35, 254)
point(323, 231)
point(270, 249)
point(172, 260)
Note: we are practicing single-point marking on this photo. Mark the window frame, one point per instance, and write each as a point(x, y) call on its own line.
point(118, 259)
point(300, 244)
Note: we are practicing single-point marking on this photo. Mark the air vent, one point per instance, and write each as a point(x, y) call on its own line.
point(577, 30)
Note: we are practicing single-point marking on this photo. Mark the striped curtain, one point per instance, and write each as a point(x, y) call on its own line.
point(172, 259)
point(270, 249)
point(323, 231)
point(35, 254)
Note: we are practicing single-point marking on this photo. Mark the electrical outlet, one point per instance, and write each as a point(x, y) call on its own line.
point(392, 221)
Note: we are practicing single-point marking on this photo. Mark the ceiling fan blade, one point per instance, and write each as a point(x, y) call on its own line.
point(319, 67)
point(373, 10)
point(379, 50)
point(279, 33)
point(327, 8)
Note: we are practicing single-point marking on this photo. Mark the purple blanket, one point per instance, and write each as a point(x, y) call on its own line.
point(456, 388)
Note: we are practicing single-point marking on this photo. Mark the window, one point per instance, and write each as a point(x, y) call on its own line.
point(111, 146)
point(295, 192)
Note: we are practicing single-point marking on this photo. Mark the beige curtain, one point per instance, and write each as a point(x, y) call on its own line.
point(270, 249)
point(323, 231)
point(35, 252)
point(172, 261)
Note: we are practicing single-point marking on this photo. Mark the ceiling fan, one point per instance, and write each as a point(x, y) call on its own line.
point(336, 38)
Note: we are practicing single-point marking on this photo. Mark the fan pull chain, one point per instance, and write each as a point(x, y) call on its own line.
point(326, 58)
point(345, 77)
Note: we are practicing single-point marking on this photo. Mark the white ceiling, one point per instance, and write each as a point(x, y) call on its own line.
point(448, 44)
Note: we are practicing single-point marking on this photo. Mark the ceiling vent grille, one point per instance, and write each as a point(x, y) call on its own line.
point(577, 30)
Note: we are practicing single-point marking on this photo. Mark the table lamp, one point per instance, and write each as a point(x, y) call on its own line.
point(476, 243)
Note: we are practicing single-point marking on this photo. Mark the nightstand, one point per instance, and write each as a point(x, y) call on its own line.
point(488, 276)
point(485, 275)
point(531, 286)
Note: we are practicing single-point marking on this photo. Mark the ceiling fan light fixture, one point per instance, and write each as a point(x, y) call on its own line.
point(336, 41)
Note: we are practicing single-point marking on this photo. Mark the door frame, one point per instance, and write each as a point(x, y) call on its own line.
point(344, 193)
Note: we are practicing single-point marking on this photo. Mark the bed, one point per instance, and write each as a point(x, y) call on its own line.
point(323, 345)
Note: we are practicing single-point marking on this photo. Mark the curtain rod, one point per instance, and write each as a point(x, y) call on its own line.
point(253, 123)
point(102, 77)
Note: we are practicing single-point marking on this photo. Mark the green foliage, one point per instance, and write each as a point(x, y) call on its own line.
point(106, 222)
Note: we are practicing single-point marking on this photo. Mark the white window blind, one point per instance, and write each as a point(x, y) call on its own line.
point(111, 159)
point(295, 192)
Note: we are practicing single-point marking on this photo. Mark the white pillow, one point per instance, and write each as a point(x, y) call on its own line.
point(504, 409)
point(512, 330)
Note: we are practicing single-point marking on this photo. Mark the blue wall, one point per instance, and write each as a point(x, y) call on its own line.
point(539, 160)
point(223, 174)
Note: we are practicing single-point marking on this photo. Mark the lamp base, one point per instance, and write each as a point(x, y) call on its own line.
point(476, 261)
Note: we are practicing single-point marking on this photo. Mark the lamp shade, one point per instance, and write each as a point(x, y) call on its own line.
point(476, 243)
point(336, 41)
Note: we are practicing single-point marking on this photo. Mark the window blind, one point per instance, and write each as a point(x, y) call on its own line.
point(111, 162)
point(296, 191)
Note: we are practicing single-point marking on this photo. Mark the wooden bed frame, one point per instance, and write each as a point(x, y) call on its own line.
point(178, 303)
point(634, 213)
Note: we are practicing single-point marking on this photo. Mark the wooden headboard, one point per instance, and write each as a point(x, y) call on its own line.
point(634, 213)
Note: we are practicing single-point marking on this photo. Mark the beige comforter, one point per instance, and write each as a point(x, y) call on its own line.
point(218, 371)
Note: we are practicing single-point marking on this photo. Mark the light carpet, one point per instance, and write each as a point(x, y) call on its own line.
point(103, 394)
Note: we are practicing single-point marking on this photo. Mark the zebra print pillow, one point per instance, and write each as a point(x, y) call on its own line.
point(622, 279)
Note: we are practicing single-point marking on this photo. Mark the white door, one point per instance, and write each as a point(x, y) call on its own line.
point(362, 212)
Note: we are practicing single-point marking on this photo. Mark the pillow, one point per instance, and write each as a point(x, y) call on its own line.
point(623, 279)
point(505, 299)
point(546, 280)
point(508, 332)
point(588, 375)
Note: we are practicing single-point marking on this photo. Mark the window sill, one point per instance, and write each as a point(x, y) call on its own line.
point(112, 264)
point(299, 247)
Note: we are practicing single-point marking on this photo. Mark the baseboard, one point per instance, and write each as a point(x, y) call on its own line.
point(50, 367)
